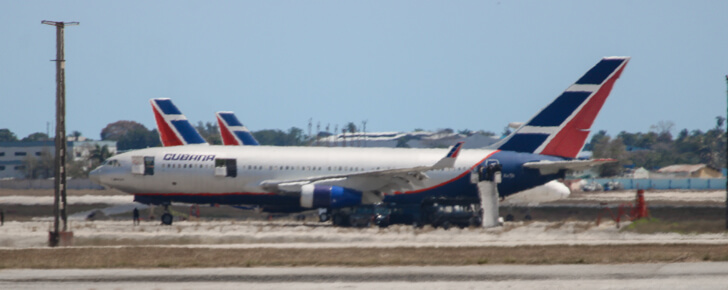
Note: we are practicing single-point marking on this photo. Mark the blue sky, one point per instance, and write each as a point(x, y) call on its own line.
point(400, 65)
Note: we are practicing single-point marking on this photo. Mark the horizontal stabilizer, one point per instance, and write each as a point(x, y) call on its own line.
point(552, 167)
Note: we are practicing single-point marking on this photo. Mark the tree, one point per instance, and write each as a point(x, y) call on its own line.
point(7, 136)
point(506, 131)
point(39, 168)
point(595, 138)
point(294, 137)
point(99, 154)
point(210, 132)
point(114, 131)
point(38, 136)
point(130, 135)
point(465, 132)
point(351, 127)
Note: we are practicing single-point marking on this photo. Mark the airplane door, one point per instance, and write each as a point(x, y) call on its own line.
point(148, 165)
point(226, 168)
point(137, 165)
point(142, 165)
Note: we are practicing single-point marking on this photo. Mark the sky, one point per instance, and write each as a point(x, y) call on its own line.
point(398, 65)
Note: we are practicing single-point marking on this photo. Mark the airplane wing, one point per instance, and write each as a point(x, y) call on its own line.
point(551, 167)
point(381, 180)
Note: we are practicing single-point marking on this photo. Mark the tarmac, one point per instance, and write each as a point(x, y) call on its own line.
point(709, 275)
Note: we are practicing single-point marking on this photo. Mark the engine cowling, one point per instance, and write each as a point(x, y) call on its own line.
point(316, 196)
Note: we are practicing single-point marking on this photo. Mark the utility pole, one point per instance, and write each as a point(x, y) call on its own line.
point(726, 183)
point(364, 128)
point(59, 183)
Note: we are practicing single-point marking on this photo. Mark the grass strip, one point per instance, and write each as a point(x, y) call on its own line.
point(159, 257)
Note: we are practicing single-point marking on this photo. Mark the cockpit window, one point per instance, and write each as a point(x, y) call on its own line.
point(112, 162)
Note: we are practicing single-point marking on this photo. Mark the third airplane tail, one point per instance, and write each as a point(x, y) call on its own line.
point(561, 128)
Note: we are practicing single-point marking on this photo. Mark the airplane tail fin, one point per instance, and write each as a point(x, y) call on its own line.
point(174, 128)
point(561, 128)
point(449, 160)
point(233, 132)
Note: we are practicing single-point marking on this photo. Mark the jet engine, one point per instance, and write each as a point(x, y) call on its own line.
point(317, 196)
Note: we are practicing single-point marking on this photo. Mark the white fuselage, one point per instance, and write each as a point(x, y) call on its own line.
point(192, 169)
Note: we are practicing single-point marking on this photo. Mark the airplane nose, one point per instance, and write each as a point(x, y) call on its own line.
point(94, 176)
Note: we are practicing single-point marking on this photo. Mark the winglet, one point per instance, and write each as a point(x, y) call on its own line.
point(233, 132)
point(174, 128)
point(449, 160)
point(561, 128)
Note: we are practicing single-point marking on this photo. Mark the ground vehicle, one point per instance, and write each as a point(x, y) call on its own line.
point(362, 216)
point(446, 213)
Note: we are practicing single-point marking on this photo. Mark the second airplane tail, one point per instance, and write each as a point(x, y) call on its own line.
point(233, 132)
point(561, 128)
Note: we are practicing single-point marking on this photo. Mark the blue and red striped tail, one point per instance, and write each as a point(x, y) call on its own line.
point(233, 132)
point(455, 150)
point(561, 128)
point(174, 128)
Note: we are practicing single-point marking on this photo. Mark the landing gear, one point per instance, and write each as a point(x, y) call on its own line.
point(323, 215)
point(167, 217)
point(528, 217)
point(509, 217)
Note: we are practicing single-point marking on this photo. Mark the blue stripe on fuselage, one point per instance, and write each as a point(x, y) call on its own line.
point(515, 179)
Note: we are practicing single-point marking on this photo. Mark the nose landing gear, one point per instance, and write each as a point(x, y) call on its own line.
point(167, 217)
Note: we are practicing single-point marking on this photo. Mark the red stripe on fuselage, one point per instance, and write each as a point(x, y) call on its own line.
point(569, 141)
point(461, 175)
point(169, 138)
point(205, 194)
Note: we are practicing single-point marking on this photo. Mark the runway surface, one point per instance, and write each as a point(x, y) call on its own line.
point(619, 276)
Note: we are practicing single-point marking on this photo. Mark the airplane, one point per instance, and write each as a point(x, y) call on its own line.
point(233, 132)
point(300, 178)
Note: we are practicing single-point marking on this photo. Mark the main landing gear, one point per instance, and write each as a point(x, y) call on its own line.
point(167, 217)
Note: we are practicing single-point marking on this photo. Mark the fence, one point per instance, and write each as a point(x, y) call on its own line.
point(674, 183)
point(75, 184)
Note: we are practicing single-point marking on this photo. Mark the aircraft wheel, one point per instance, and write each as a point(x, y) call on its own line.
point(167, 219)
point(528, 217)
point(476, 221)
point(509, 218)
point(338, 220)
point(446, 225)
point(323, 217)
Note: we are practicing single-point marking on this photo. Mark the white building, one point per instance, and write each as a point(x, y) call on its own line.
point(420, 139)
point(13, 154)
